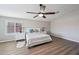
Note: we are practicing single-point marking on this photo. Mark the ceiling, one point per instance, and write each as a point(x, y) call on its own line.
point(19, 10)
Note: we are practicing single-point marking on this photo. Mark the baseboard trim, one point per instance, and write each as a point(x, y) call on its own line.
point(11, 40)
point(63, 37)
point(7, 41)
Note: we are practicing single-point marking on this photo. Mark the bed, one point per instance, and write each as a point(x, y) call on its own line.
point(36, 37)
point(33, 36)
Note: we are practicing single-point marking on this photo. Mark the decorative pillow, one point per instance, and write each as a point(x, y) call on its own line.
point(28, 30)
point(32, 30)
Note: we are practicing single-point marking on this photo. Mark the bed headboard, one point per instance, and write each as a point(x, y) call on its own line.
point(31, 30)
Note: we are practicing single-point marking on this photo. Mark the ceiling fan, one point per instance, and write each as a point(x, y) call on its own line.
point(42, 12)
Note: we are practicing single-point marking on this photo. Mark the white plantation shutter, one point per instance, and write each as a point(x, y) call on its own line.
point(10, 27)
point(18, 27)
point(14, 27)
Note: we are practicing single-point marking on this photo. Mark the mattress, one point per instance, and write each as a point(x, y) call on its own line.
point(35, 35)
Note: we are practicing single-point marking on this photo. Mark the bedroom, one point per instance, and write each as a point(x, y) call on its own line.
point(62, 28)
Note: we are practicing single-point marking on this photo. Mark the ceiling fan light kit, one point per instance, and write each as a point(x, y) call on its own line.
point(40, 15)
point(42, 12)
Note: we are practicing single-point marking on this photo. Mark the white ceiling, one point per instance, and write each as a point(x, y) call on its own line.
point(19, 10)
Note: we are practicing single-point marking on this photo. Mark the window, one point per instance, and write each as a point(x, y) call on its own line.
point(10, 27)
point(14, 27)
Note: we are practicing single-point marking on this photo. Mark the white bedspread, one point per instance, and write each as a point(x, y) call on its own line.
point(37, 38)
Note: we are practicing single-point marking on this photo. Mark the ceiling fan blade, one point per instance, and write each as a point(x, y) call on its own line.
point(44, 16)
point(47, 13)
point(32, 12)
point(35, 16)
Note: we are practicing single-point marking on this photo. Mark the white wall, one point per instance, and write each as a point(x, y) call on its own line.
point(67, 27)
point(25, 23)
point(36, 24)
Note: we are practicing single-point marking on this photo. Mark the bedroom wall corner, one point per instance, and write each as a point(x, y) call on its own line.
point(67, 27)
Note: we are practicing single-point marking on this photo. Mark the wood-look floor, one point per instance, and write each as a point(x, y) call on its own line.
point(57, 47)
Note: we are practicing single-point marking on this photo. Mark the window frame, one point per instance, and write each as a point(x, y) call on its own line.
point(6, 24)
